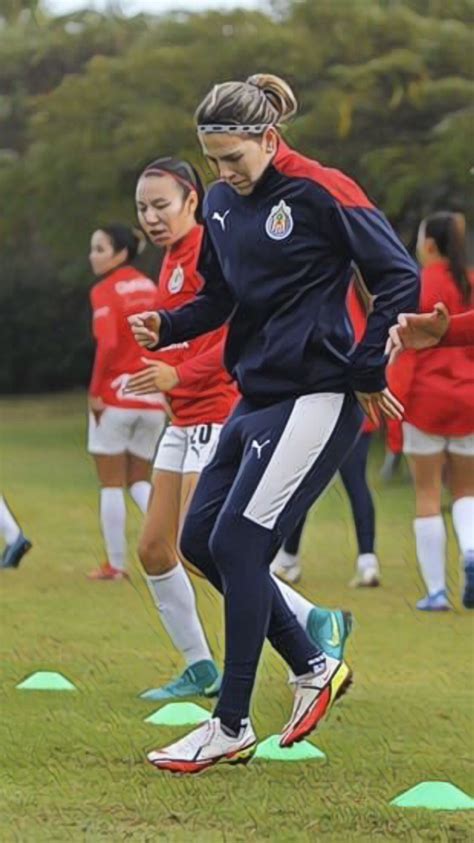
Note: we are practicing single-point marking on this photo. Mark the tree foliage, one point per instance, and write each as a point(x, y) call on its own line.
point(386, 94)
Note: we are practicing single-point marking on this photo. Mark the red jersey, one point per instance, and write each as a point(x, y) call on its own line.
point(205, 393)
point(121, 293)
point(439, 382)
point(460, 331)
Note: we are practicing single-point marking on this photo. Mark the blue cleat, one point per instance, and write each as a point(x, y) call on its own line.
point(468, 594)
point(13, 553)
point(329, 630)
point(437, 602)
point(201, 679)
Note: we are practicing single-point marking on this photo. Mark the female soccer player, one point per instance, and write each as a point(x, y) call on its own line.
point(281, 232)
point(439, 419)
point(123, 429)
point(353, 473)
point(201, 395)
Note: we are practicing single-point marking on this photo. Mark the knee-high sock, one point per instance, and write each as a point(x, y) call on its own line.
point(8, 526)
point(140, 492)
point(299, 605)
point(112, 518)
point(463, 520)
point(174, 598)
point(430, 535)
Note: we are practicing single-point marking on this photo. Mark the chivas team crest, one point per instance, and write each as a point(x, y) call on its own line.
point(279, 222)
point(175, 284)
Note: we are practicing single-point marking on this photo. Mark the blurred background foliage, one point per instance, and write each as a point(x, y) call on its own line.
point(385, 90)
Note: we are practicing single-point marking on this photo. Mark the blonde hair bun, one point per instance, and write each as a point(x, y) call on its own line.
point(277, 92)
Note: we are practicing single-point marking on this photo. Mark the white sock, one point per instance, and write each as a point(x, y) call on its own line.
point(430, 535)
point(297, 603)
point(367, 562)
point(112, 519)
point(174, 598)
point(283, 559)
point(140, 492)
point(463, 520)
point(8, 526)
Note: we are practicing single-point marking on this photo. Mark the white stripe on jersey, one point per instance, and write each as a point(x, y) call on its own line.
point(307, 431)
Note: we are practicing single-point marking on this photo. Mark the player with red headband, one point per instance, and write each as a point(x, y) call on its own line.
point(201, 395)
point(123, 429)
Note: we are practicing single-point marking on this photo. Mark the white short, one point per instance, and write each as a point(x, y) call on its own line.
point(186, 450)
point(122, 430)
point(419, 443)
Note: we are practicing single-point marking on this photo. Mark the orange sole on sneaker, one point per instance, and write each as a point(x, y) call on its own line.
point(183, 768)
point(340, 684)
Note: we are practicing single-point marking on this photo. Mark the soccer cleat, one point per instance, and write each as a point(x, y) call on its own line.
point(204, 747)
point(201, 679)
point(286, 566)
point(315, 694)
point(329, 630)
point(468, 593)
point(437, 602)
point(370, 578)
point(14, 552)
point(107, 572)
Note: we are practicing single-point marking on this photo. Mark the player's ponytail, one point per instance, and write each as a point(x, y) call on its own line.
point(123, 237)
point(277, 92)
point(448, 230)
point(248, 107)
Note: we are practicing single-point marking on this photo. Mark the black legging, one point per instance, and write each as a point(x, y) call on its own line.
point(353, 474)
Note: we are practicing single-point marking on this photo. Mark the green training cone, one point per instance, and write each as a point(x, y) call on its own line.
point(435, 796)
point(270, 750)
point(45, 680)
point(178, 714)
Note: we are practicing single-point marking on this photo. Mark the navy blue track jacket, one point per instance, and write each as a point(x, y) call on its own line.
point(277, 264)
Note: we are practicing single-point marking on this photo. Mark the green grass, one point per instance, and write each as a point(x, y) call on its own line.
point(73, 763)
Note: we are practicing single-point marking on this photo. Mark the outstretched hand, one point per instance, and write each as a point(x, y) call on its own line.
point(156, 377)
point(417, 330)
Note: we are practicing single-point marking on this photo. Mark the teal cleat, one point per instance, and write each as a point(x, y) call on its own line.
point(201, 679)
point(329, 630)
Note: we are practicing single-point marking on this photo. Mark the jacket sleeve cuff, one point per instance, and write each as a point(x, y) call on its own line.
point(368, 379)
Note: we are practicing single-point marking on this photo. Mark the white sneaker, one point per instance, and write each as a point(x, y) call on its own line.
point(286, 566)
point(205, 746)
point(315, 694)
point(368, 572)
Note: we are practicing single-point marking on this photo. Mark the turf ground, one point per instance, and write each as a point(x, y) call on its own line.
point(72, 763)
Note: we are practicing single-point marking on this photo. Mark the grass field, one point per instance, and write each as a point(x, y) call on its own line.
point(73, 763)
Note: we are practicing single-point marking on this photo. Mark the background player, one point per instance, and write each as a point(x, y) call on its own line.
point(439, 414)
point(123, 429)
point(281, 234)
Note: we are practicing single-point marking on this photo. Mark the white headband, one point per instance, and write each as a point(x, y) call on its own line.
point(233, 129)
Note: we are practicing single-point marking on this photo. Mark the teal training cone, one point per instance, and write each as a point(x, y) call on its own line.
point(270, 750)
point(179, 714)
point(435, 796)
point(45, 680)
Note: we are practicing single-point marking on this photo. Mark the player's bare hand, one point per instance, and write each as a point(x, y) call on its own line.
point(418, 331)
point(155, 377)
point(382, 402)
point(96, 406)
point(145, 328)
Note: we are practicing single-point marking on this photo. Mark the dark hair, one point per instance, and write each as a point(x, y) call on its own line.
point(448, 230)
point(123, 237)
point(186, 176)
